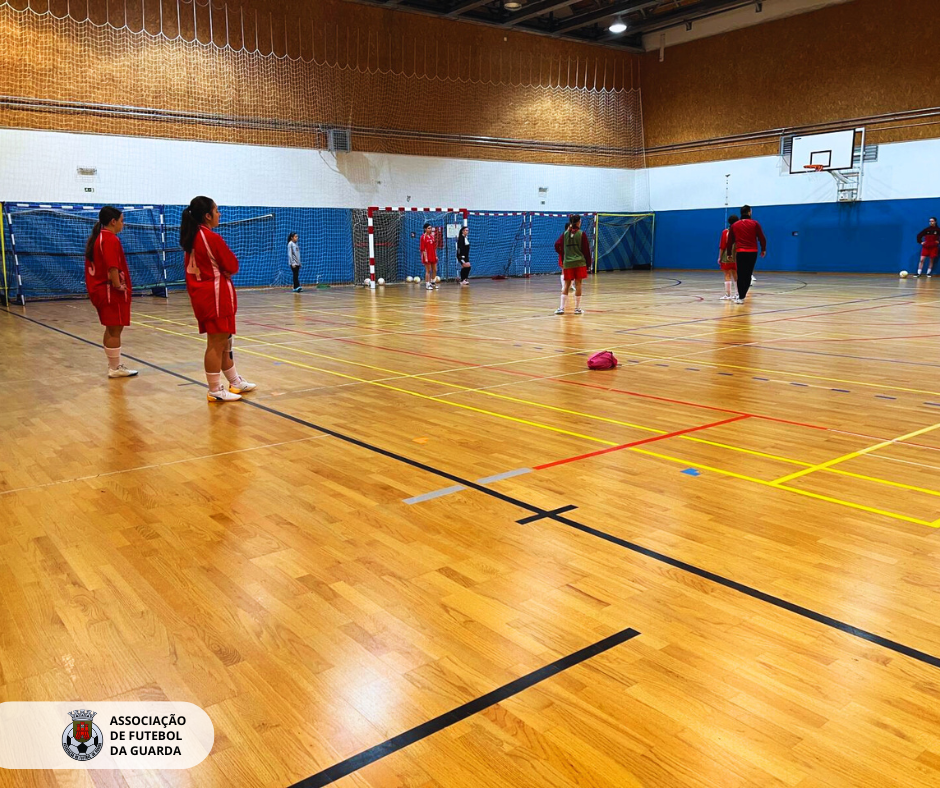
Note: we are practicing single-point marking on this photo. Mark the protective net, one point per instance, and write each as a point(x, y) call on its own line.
point(47, 247)
point(624, 241)
point(546, 229)
point(499, 243)
point(205, 70)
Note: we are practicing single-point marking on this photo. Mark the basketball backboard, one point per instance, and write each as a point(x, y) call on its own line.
point(833, 150)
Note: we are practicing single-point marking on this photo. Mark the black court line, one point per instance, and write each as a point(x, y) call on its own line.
point(448, 718)
point(535, 517)
point(783, 604)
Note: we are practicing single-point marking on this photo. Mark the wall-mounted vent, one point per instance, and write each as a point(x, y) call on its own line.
point(338, 140)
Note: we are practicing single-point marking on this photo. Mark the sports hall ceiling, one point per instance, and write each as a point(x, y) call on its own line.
point(579, 20)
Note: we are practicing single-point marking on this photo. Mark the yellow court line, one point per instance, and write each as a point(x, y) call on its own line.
point(791, 461)
point(806, 493)
point(809, 467)
point(404, 391)
point(882, 481)
point(427, 378)
point(852, 455)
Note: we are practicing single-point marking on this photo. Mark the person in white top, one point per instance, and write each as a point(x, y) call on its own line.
point(293, 258)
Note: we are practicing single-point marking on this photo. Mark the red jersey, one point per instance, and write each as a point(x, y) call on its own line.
point(108, 253)
point(209, 270)
point(428, 248)
point(745, 233)
point(929, 237)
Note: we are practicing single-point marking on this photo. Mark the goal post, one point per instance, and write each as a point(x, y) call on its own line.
point(624, 241)
point(393, 237)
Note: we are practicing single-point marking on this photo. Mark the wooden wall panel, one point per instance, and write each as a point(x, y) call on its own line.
point(447, 78)
point(852, 60)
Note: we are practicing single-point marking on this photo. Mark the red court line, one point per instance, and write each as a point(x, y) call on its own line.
point(639, 443)
point(536, 377)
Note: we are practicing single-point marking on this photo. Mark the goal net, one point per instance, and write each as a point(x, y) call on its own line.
point(624, 241)
point(47, 247)
point(387, 243)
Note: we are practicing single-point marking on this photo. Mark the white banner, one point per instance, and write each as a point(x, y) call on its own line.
point(109, 735)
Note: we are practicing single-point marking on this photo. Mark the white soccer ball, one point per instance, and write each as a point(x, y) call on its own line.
point(381, 281)
point(437, 279)
point(366, 281)
point(409, 278)
point(903, 274)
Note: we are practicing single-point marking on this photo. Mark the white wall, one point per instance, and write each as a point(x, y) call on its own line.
point(904, 170)
point(40, 166)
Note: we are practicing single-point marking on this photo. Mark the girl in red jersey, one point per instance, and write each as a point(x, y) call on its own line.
point(108, 282)
point(929, 239)
point(210, 266)
point(726, 262)
point(574, 248)
point(428, 246)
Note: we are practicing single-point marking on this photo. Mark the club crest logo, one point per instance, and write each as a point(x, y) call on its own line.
point(82, 740)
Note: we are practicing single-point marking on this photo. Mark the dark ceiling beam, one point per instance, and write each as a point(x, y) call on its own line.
point(462, 8)
point(691, 13)
point(582, 20)
point(400, 7)
point(537, 9)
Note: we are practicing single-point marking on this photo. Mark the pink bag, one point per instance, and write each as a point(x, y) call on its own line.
point(603, 360)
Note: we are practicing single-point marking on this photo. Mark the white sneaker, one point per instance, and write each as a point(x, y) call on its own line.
point(429, 286)
point(559, 311)
point(240, 386)
point(725, 298)
point(578, 311)
point(222, 395)
point(739, 300)
point(121, 372)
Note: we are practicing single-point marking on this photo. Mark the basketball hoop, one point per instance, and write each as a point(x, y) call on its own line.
point(814, 167)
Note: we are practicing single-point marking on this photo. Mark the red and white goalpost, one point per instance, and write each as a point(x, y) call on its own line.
point(392, 233)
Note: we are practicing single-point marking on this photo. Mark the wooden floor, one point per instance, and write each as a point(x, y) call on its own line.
point(754, 491)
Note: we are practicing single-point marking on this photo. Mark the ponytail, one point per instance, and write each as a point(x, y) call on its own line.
point(193, 216)
point(105, 216)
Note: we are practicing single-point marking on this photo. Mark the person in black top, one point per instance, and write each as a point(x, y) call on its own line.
point(463, 255)
point(929, 240)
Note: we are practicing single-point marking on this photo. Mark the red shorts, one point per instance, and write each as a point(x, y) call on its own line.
point(929, 251)
point(576, 273)
point(117, 313)
point(731, 265)
point(430, 263)
point(217, 325)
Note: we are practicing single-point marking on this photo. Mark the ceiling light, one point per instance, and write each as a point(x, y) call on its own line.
point(512, 5)
point(617, 26)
